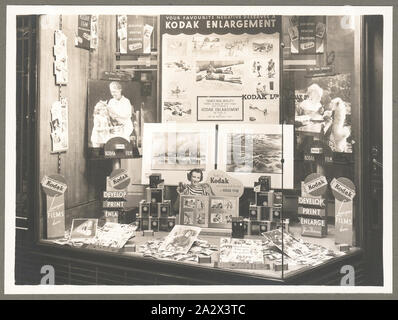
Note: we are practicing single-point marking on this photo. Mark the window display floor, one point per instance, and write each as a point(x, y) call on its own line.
point(294, 266)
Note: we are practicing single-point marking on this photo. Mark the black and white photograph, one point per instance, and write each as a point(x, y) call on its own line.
point(256, 150)
point(59, 125)
point(173, 149)
point(177, 110)
point(262, 47)
point(259, 153)
point(203, 45)
point(179, 66)
point(188, 151)
point(177, 47)
point(178, 89)
point(325, 108)
point(110, 111)
point(219, 75)
point(178, 151)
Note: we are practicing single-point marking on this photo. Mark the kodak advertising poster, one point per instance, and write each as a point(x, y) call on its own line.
point(344, 192)
point(220, 68)
point(54, 187)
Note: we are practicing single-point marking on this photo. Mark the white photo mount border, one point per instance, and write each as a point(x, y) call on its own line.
point(173, 177)
point(219, 142)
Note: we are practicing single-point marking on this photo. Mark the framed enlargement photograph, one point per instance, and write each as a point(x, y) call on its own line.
point(249, 152)
point(173, 149)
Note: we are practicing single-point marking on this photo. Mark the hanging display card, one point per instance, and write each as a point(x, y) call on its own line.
point(54, 186)
point(344, 192)
point(59, 125)
point(220, 68)
point(61, 58)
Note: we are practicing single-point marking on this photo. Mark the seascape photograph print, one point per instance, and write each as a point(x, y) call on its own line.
point(254, 153)
point(178, 151)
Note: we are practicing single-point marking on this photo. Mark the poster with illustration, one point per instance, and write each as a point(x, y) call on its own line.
point(323, 109)
point(59, 125)
point(220, 68)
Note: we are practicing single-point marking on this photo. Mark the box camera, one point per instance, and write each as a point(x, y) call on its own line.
point(264, 199)
point(263, 184)
point(254, 212)
point(155, 180)
point(164, 209)
point(154, 210)
point(238, 230)
point(144, 209)
point(154, 195)
point(154, 225)
point(265, 213)
point(265, 226)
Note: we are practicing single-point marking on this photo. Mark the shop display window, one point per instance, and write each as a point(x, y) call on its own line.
point(234, 145)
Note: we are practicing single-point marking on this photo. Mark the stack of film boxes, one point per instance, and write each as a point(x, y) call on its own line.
point(155, 212)
point(265, 213)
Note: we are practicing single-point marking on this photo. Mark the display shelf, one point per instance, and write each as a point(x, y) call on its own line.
point(295, 230)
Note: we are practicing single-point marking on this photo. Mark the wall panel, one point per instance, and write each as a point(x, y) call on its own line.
point(86, 178)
